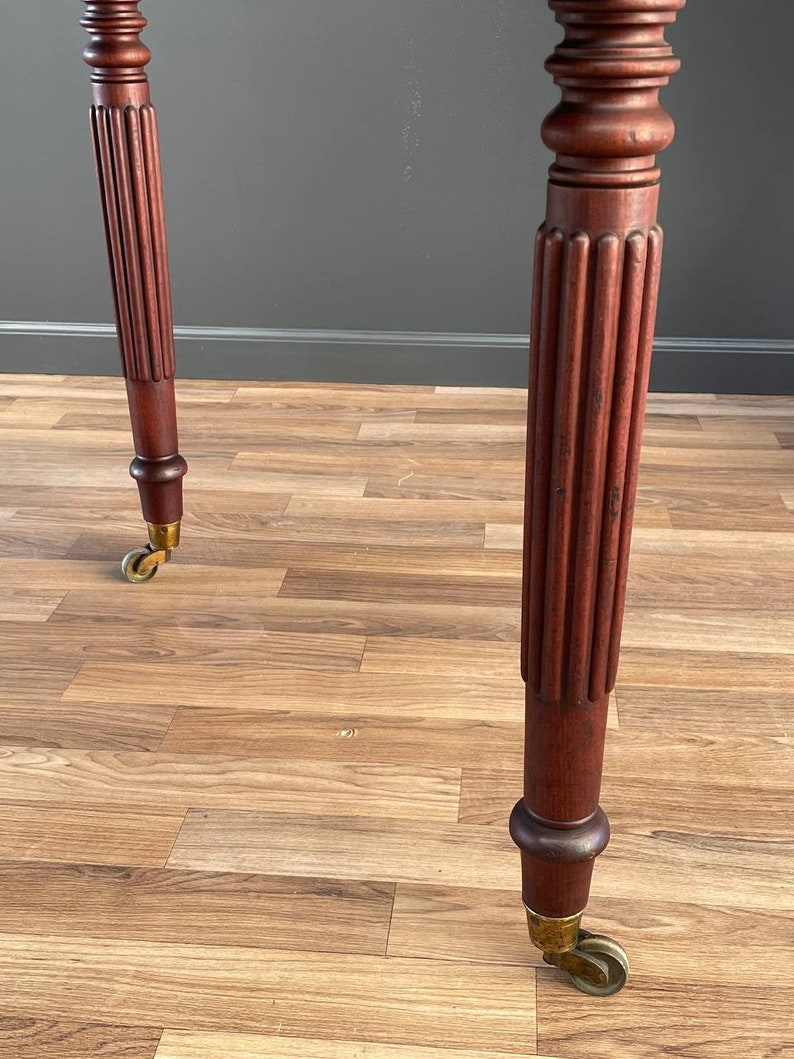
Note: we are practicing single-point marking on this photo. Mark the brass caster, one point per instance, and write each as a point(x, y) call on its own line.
point(141, 564)
point(597, 966)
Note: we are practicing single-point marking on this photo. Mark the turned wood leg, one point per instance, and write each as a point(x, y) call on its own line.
point(597, 263)
point(124, 126)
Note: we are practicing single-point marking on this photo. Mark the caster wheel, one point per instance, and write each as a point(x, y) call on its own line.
point(130, 565)
point(608, 953)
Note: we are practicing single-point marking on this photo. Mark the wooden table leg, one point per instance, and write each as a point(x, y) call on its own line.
point(597, 263)
point(126, 146)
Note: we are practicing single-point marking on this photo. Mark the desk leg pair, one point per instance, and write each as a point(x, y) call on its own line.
point(597, 261)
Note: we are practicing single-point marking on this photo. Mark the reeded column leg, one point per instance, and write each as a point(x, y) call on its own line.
point(124, 126)
point(597, 264)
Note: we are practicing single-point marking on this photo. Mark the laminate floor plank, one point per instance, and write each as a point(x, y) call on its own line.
point(330, 996)
point(180, 1045)
point(196, 425)
point(421, 533)
point(481, 484)
point(510, 393)
point(77, 641)
point(140, 611)
point(30, 675)
point(728, 629)
point(100, 580)
point(216, 477)
point(754, 546)
point(704, 405)
point(289, 614)
point(34, 1038)
point(724, 812)
point(99, 389)
point(177, 782)
point(708, 457)
point(345, 847)
point(26, 604)
point(186, 907)
point(36, 439)
point(331, 397)
point(711, 505)
point(781, 403)
point(44, 540)
point(356, 411)
point(233, 515)
point(273, 529)
point(476, 697)
point(434, 433)
point(735, 671)
point(761, 712)
point(506, 537)
point(438, 922)
point(32, 413)
point(485, 699)
point(405, 655)
point(63, 501)
point(473, 415)
point(683, 761)
point(313, 391)
point(695, 1021)
point(255, 554)
point(368, 454)
point(373, 507)
point(657, 417)
point(749, 420)
point(97, 835)
point(402, 588)
point(83, 725)
point(750, 872)
point(365, 739)
point(759, 439)
point(714, 582)
point(714, 487)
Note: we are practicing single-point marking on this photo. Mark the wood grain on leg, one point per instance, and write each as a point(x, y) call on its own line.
point(127, 152)
point(596, 278)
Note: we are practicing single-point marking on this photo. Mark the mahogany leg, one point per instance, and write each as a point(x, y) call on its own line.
point(597, 262)
point(124, 127)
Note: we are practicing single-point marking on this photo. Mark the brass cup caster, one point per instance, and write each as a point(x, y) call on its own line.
point(597, 964)
point(141, 564)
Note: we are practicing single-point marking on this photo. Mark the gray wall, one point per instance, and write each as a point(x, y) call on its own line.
point(374, 165)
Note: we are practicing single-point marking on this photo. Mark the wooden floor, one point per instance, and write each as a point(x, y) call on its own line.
point(257, 807)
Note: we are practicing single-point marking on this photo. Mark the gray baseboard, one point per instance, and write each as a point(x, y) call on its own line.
point(684, 365)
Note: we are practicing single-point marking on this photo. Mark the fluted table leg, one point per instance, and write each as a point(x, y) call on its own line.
point(124, 126)
point(597, 264)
